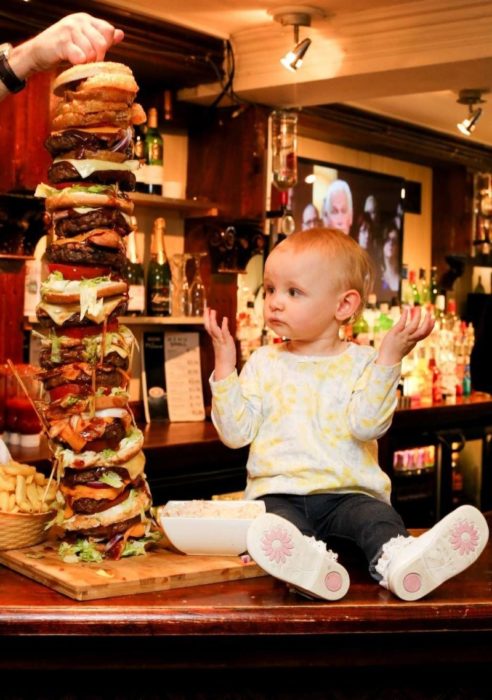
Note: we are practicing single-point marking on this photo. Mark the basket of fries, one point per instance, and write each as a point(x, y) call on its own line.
point(26, 505)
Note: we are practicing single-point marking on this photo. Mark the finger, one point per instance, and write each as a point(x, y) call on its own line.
point(206, 319)
point(80, 40)
point(402, 321)
point(103, 35)
point(414, 322)
point(225, 327)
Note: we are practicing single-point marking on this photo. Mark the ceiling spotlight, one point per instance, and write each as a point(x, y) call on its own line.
point(470, 98)
point(296, 16)
point(293, 59)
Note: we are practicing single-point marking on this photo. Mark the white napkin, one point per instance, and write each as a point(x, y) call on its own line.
point(4, 453)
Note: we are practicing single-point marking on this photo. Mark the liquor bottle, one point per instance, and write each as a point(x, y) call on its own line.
point(405, 291)
point(479, 288)
point(133, 273)
point(414, 290)
point(433, 287)
point(154, 155)
point(159, 274)
point(360, 331)
point(423, 288)
point(139, 154)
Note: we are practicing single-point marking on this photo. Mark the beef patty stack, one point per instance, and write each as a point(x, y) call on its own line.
point(104, 498)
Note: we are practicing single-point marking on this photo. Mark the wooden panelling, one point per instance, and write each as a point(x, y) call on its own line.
point(24, 126)
point(11, 309)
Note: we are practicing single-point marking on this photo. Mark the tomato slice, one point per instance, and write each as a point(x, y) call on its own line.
point(79, 272)
point(58, 392)
point(84, 331)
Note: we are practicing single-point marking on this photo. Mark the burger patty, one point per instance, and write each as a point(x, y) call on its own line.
point(86, 254)
point(109, 378)
point(69, 355)
point(103, 531)
point(74, 320)
point(109, 440)
point(74, 477)
point(73, 139)
point(73, 224)
point(65, 172)
point(89, 506)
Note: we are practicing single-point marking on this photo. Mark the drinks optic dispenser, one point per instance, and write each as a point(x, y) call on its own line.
point(284, 149)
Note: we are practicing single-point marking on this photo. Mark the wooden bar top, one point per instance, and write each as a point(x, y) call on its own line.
point(251, 607)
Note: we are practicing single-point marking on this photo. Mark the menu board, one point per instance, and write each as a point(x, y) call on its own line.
point(183, 377)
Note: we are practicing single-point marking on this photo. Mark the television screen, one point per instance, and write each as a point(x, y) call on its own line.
point(363, 204)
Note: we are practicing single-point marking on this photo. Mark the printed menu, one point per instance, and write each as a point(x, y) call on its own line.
point(183, 377)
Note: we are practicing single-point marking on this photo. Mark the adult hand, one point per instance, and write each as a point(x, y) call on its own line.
point(403, 337)
point(77, 38)
point(223, 344)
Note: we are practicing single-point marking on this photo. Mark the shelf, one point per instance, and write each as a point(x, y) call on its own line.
point(161, 320)
point(188, 207)
point(9, 256)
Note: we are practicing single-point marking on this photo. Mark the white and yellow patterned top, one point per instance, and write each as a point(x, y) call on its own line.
point(312, 421)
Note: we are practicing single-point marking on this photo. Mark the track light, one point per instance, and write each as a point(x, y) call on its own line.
point(293, 59)
point(296, 16)
point(470, 98)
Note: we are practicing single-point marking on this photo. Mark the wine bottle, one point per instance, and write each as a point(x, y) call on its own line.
point(159, 274)
point(154, 155)
point(133, 274)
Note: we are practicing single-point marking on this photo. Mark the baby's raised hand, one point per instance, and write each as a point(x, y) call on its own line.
point(223, 344)
point(403, 337)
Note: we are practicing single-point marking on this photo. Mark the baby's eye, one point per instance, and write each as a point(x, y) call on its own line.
point(293, 292)
point(268, 290)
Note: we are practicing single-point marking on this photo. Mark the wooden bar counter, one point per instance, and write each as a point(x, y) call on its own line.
point(255, 635)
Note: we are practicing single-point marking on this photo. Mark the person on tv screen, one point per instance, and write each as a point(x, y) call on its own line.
point(365, 232)
point(337, 211)
point(310, 217)
point(390, 259)
point(312, 409)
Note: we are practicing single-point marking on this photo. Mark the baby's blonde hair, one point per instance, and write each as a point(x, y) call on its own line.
point(351, 267)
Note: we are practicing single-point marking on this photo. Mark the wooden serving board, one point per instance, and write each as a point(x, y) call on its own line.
point(158, 570)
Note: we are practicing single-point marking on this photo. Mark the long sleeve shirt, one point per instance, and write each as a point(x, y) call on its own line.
point(312, 422)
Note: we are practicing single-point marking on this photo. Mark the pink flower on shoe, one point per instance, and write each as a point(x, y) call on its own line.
point(464, 537)
point(277, 544)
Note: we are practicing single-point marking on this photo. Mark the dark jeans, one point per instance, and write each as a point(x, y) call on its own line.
point(361, 519)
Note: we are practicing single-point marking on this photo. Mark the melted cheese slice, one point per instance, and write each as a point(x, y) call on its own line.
point(59, 313)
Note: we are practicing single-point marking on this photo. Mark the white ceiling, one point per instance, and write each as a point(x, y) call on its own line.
point(406, 59)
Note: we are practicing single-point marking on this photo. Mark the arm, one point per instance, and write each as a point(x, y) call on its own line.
point(374, 400)
point(77, 38)
point(223, 344)
point(403, 337)
point(236, 405)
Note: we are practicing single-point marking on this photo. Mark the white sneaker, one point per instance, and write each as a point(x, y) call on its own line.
point(284, 552)
point(451, 546)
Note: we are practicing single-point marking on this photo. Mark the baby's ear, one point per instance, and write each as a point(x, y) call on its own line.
point(348, 304)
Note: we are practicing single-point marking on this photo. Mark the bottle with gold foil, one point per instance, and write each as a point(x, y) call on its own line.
point(133, 274)
point(159, 274)
point(154, 155)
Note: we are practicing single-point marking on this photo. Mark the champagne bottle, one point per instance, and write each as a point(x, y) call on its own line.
point(414, 290)
point(133, 274)
point(139, 154)
point(154, 154)
point(159, 274)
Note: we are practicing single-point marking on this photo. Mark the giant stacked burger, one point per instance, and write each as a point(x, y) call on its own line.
point(103, 495)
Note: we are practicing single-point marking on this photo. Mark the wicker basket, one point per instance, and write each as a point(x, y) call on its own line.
point(23, 529)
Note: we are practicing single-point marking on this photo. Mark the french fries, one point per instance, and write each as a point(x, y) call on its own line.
point(25, 490)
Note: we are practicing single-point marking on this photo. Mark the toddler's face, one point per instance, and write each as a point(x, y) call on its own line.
point(301, 293)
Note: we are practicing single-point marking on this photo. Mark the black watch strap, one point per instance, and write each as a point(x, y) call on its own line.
point(8, 77)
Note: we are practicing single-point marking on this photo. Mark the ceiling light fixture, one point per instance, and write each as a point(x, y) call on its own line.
point(471, 98)
point(296, 16)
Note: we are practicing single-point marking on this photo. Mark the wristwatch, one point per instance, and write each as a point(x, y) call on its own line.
point(7, 75)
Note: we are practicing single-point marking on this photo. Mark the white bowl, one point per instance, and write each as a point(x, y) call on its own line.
point(218, 532)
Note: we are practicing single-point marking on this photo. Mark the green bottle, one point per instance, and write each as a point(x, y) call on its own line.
point(154, 155)
point(158, 274)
